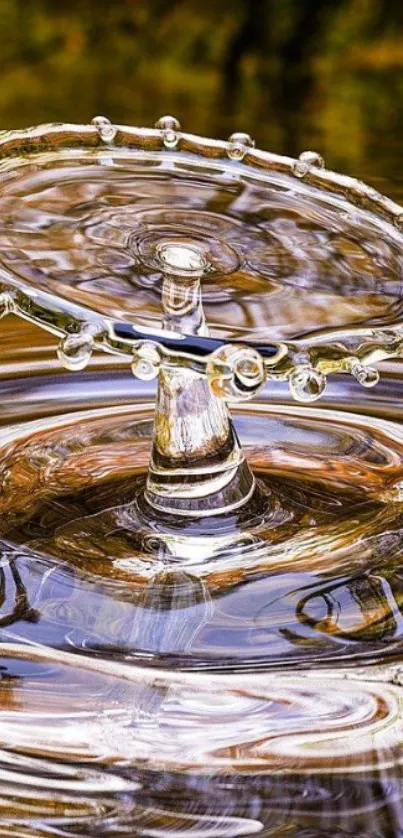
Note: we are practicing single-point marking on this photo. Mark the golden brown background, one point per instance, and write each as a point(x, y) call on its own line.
point(293, 73)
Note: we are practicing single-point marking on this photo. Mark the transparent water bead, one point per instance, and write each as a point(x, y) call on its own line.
point(170, 128)
point(182, 259)
point(305, 161)
point(306, 384)
point(106, 130)
point(146, 361)
point(74, 351)
point(235, 373)
point(239, 143)
point(366, 376)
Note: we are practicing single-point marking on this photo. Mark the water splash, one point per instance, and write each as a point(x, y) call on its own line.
point(251, 684)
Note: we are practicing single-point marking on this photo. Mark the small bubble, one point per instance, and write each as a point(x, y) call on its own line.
point(312, 158)
point(306, 384)
point(170, 128)
point(249, 371)
point(300, 169)
point(235, 373)
point(305, 161)
point(366, 376)
point(74, 352)
point(105, 129)
point(239, 143)
point(170, 139)
point(146, 361)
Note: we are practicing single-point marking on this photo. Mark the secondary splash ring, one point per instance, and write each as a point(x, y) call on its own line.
point(308, 359)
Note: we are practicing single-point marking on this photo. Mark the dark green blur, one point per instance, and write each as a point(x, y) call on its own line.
point(296, 74)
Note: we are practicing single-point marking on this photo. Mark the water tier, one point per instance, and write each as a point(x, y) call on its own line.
point(218, 675)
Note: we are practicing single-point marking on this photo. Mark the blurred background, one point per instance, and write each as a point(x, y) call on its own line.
point(295, 74)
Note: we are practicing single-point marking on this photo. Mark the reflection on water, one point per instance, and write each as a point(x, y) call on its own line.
point(101, 729)
point(156, 680)
point(324, 582)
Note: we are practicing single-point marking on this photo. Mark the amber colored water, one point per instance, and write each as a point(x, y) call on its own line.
point(228, 676)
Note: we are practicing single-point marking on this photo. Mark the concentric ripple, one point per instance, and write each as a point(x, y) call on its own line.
point(158, 745)
point(308, 575)
point(101, 730)
point(286, 260)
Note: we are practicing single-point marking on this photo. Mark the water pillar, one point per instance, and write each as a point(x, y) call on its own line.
point(197, 465)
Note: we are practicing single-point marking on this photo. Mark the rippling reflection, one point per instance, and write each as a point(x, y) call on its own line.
point(236, 675)
point(110, 746)
point(306, 743)
point(315, 576)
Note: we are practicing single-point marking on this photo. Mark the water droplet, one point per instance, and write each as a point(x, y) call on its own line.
point(235, 373)
point(5, 304)
point(146, 361)
point(312, 158)
point(105, 129)
point(366, 376)
point(74, 352)
point(306, 384)
point(166, 122)
point(300, 168)
point(249, 371)
point(305, 161)
point(239, 143)
point(170, 128)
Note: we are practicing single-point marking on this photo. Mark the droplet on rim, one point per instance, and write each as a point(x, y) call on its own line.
point(305, 161)
point(306, 384)
point(312, 158)
point(235, 373)
point(366, 376)
point(239, 143)
point(105, 129)
point(249, 371)
point(170, 127)
point(146, 361)
point(74, 352)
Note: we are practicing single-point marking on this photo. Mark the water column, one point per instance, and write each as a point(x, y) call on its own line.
point(197, 465)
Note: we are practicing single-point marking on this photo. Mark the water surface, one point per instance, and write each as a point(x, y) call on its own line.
point(153, 685)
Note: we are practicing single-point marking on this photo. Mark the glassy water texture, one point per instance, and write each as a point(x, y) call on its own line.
point(286, 261)
point(148, 688)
